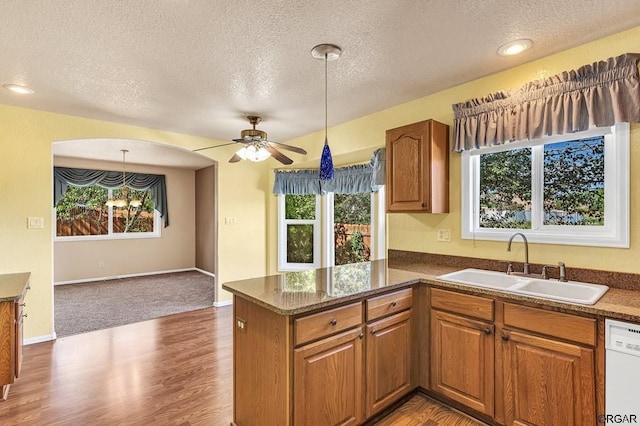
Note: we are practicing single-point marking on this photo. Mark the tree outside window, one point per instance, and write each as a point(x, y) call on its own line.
point(83, 212)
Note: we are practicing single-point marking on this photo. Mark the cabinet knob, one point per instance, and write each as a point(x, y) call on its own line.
point(22, 305)
point(361, 336)
point(28, 287)
point(393, 304)
point(505, 337)
point(24, 315)
point(334, 322)
point(487, 331)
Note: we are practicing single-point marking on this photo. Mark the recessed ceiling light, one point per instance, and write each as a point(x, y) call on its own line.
point(17, 88)
point(514, 47)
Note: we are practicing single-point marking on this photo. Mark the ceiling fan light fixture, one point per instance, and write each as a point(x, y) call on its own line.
point(326, 52)
point(253, 153)
point(19, 89)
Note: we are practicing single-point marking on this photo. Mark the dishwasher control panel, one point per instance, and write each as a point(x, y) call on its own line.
point(623, 337)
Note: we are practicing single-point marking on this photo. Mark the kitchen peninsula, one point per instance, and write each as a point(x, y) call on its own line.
point(338, 346)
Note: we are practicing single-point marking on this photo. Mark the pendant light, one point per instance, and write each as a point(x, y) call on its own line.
point(122, 201)
point(326, 52)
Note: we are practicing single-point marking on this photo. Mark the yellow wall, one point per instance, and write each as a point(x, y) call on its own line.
point(417, 232)
point(26, 189)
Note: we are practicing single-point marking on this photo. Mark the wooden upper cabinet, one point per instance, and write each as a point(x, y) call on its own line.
point(417, 157)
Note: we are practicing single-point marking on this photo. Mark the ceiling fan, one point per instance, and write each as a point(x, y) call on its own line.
point(257, 147)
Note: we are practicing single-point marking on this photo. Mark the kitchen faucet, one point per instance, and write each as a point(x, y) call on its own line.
point(525, 270)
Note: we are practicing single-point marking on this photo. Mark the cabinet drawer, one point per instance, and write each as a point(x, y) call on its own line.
point(324, 323)
point(465, 304)
point(556, 324)
point(387, 304)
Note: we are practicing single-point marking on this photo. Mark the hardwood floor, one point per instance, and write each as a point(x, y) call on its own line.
point(174, 370)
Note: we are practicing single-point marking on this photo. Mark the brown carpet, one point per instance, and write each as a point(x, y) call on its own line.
point(97, 305)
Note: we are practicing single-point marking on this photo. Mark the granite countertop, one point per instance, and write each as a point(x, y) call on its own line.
point(294, 293)
point(12, 286)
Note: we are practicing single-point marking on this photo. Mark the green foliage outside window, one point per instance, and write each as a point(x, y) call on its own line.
point(83, 211)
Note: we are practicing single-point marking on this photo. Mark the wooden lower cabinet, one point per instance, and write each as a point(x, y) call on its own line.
point(11, 341)
point(388, 361)
point(327, 385)
point(547, 382)
point(462, 360)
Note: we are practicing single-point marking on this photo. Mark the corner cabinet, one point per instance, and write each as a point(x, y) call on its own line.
point(417, 168)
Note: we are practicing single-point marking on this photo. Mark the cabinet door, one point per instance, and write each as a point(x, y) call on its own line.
point(388, 368)
point(462, 360)
point(327, 383)
point(417, 158)
point(547, 382)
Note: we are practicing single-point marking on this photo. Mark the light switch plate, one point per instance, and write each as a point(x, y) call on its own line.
point(35, 222)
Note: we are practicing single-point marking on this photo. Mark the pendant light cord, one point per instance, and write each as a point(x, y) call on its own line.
point(326, 85)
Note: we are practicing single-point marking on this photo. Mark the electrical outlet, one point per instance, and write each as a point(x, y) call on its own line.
point(444, 235)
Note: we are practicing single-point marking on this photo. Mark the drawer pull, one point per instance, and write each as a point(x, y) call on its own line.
point(22, 305)
point(334, 322)
point(393, 304)
point(24, 315)
point(28, 287)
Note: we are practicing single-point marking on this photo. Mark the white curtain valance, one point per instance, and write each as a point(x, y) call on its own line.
point(600, 94)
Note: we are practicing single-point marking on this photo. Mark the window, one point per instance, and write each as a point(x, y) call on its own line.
point(333, 229)
point(561, 190)
point(299, 231)
point(83, 214)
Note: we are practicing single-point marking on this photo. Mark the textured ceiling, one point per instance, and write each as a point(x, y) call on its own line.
point(200, 66)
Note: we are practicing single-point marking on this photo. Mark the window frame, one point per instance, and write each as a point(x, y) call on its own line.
point(615, 232)
point(283, 222)
point(325, 243)
point(156, 233)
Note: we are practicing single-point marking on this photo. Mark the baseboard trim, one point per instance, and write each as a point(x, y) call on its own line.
point(141, 274)
point(39, 339)
point(223, 303)
point(202, 271)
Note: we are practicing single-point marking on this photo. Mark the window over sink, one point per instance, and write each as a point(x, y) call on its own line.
point(568, 189)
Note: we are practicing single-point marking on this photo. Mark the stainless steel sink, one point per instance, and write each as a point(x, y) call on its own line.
point(570, 291)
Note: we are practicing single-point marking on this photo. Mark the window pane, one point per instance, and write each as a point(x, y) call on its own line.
point(352, 228)
point(574, 183)
point(82, 211)
point(133, 219)
point(300, 243)
point(300, 207)
point(505, 189)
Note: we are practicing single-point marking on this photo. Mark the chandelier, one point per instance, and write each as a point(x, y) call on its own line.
point(123, 202)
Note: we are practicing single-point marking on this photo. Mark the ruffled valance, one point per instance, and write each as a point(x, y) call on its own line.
point(65, 176)
point(357, 179)
point(600, 94)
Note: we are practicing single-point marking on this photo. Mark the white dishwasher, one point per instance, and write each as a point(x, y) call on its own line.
point(622, 373)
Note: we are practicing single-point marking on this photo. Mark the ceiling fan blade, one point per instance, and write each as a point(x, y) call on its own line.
point(214, 146)
point(235, 158)
point(278, 155)
point(289, 147)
